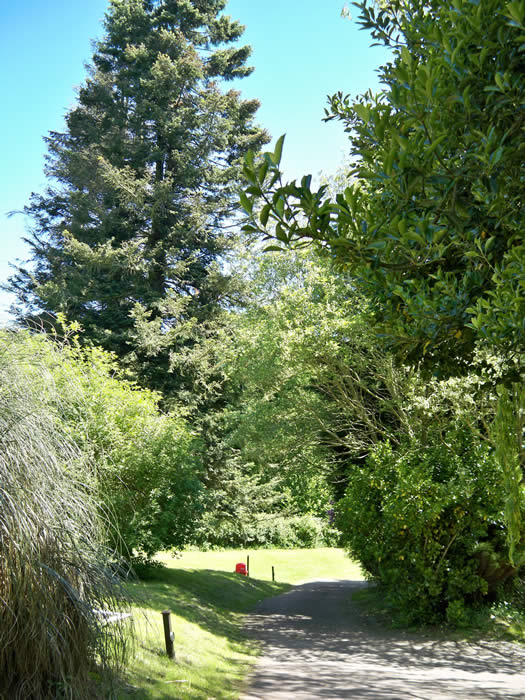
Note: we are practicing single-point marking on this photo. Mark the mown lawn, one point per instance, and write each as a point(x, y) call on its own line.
point(208, 602)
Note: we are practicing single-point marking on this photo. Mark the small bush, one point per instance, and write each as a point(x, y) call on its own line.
point(422, 522)
point(146, 569)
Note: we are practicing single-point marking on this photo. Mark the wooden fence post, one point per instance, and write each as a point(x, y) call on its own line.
point(169, 636)
point(273, 574)
point(248, 565)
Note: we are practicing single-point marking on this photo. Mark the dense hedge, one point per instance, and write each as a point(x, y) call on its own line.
point(427, 524)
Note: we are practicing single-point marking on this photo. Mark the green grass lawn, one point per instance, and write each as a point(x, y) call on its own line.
point(208, 602)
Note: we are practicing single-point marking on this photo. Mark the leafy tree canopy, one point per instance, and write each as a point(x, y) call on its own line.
point(432, 224)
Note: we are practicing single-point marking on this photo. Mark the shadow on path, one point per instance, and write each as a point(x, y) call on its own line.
point(318, 645)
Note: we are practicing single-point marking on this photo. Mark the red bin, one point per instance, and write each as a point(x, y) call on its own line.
point(241, 569)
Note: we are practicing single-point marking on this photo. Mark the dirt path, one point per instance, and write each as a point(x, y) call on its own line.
point(318, 645)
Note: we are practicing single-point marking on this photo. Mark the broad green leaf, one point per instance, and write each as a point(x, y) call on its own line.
point(265, 213)
point(246, 203)
point(278, 152)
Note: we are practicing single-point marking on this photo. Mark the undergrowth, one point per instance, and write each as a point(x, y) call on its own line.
point(504, 619)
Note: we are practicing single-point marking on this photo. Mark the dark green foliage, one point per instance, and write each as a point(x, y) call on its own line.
point(433, 224)
point(127, 237)
point(427, 523)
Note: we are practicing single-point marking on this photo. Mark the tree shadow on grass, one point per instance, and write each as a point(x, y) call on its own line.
point(211, 599)
point(216, 602)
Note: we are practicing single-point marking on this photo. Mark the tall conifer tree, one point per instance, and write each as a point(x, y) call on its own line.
point(128, 235)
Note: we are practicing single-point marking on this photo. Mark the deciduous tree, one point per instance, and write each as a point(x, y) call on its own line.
point(433, 224)
point(432, 228)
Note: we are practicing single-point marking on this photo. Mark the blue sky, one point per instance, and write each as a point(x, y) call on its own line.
point(301, 52)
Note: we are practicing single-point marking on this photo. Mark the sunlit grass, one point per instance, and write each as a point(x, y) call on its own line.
point(291, 565)
point(208, 602)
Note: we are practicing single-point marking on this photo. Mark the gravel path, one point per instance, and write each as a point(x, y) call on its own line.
point(318, 645)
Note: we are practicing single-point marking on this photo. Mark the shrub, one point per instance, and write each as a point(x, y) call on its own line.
point(266, 530)
point(54, 571)
point(148, 467)
point(146, 464)
point(424, 522)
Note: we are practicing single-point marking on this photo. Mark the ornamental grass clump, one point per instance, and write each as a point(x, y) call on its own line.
point(54, 571)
